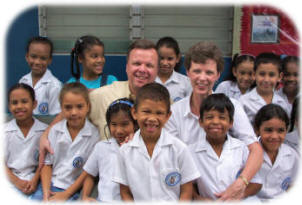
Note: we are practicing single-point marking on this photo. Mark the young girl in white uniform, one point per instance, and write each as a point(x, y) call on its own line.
point(72, 140)
point(220, 158)
point(280, 164)
point(290, 80)
point(21, 139)
point(241, 78)
point(267, 75)
point(47, 87)
point(179, 85)
point(102, 160)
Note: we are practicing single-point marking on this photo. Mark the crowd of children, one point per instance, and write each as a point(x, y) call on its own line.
point(194, 150)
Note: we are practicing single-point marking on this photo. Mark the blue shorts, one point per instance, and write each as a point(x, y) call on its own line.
point(38, 194)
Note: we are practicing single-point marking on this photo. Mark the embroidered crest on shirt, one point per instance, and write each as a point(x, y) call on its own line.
point(78, 162)
point(43, 108)
point(286, 183)
point(173, 178)
point(176, 99)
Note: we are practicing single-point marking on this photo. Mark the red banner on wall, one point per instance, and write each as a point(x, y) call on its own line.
point(260, 33)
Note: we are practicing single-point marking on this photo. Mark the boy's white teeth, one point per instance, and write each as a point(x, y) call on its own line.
point(141, 77)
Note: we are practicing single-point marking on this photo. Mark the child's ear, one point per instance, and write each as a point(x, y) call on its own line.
point(133, 113)
point(281, 75)
point(231, 124)
point(169, 115)
point(80, 59)
point(35, 103)
point(200, 122)
point(234, 71)
point(256, 131)
point(89, 106)
point(26, 57)
point(178, 58)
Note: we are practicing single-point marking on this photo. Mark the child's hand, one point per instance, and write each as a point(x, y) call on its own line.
point(128, 138)
point(32, 186)
point(22, 185)
point(47, 194)
point(59, 196)
point(88, 199)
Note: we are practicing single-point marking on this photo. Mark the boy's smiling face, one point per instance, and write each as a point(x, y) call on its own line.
point(38, 58)
point(216, 124)
point(267, 76)
point(151, 117)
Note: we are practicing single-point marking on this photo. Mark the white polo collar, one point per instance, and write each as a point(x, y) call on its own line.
point(85, 131)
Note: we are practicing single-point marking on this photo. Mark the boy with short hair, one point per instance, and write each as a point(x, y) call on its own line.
point(47, 87)
point(220, 158)
point(154, 165)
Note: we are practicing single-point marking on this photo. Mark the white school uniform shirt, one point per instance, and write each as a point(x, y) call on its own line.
point(293, 140)
point(218, 173)
point(69, 156)
point(282, 95)
point(184, 125)
point(252, 102)
point(178, 85)
point(22, 153)
point(230, 89)
point(158, 177)
point(278, 177)
point(102, 163)
point(47, 91)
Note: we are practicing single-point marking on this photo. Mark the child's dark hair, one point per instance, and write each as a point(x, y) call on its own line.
point(294, 114)
point(289, 59)
point(83, 43)
point(170, 42)
point(219, 102)
point(24, 86)
point(76, 88)
point(237, 60)
point(264, 58)
point(122, 104)
point(40, 39)
point(269, 112)
point(154, 92)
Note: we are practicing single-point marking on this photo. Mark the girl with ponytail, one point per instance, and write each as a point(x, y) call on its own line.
point(89, 52)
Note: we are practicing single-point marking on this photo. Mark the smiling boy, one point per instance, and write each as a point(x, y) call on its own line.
point(47, 87)
point(154, 166)
point(220, 158)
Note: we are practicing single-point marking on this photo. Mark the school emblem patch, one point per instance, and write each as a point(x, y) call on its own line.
point(43, 108)
point(173, 178)
point(176, 99)
point(286, 183)
point(78, 162)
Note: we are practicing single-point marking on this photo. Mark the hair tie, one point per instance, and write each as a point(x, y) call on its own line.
point(122, 102)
